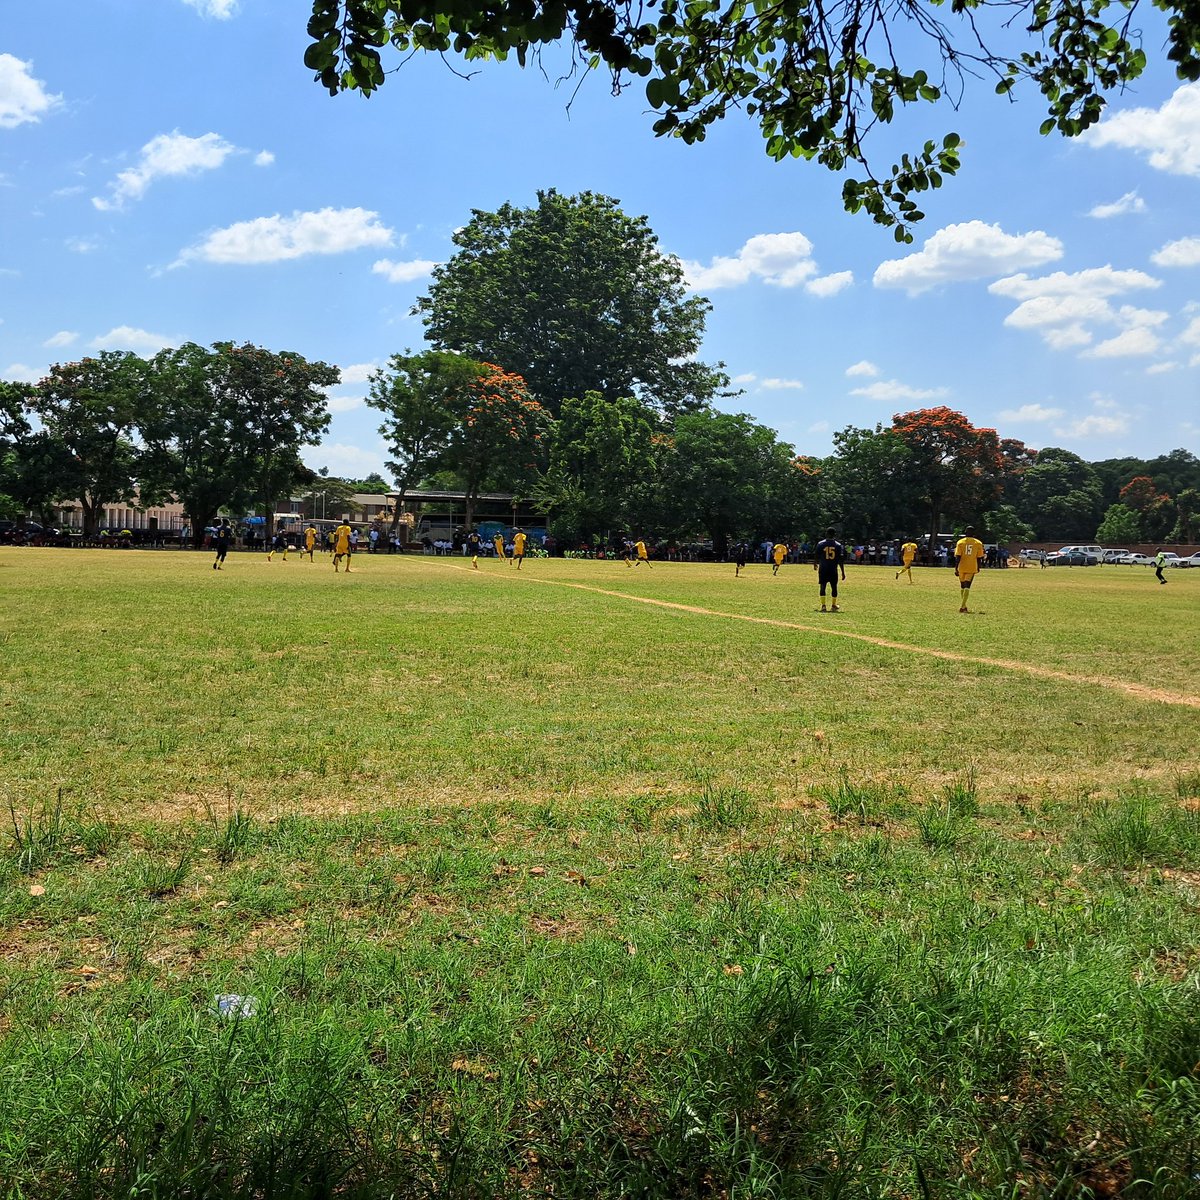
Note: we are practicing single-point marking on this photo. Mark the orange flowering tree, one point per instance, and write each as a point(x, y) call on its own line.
point(1155, 508)
point(957, 468)
point(500, 437)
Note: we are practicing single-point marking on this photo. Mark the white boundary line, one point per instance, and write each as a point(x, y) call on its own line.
point(1138, 690)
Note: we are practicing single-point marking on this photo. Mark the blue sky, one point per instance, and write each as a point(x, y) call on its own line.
point(170, 172)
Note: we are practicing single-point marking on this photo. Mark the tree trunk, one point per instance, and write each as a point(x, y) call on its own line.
point(396, 512)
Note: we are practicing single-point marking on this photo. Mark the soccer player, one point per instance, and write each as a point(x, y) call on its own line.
point(830, 557)
point(778, 554)
point(221, 539)
point(341, 546)
point(310, 541)
point(519, 548)
point(498, 542)
point(278, 542)
point(643, 555)
point(1160, 561)
point(907, 553)
point(740, 551)
point(968, 554)
point(473, 548)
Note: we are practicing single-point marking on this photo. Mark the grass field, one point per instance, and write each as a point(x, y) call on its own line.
point(588, 881)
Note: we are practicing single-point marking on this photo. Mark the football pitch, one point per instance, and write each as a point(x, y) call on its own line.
point(586, 880)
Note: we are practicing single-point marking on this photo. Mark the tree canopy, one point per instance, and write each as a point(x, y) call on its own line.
point(575, 297)
point(818, 78)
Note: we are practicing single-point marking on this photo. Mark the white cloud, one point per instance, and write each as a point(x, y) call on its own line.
point(777, 385)
point(403, 272)
point(779, 259)
point(264, 158)
point(358, 372)
point(830, 285)
point(1031, 413)
point(63, 338)
point(1183, 253)
point(1161, 368)
point(1131, 202)
point(222, 10)
point(140, 341)
point(82, 245)
point(162, 156)
point(1063, 308)
point(892, 389)
point(1132, 342)
point(1093, 426)
point(1169, 136)
point(1097, 281)
point(1191, 335)
point(1067, 337)
point(972, 250)
point(749, 377)
point(349, 462)
point(865, 368)
point(344, 404)
point(278, 238)
point(819, 427)
point(20, 373)
point(22, 98)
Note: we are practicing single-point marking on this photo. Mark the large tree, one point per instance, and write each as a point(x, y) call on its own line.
point(279, 406)
point(1120, 526)
point(226, 425)
point(193, 432)
point(956, 468)
point(727, 476)
point(574, 296)
point(817, 77)
point(1061, 496)
point(500, 438)
point(423, 398)
point(14, 430)
point(876, 486)
point(600, 465)
point(90, 413)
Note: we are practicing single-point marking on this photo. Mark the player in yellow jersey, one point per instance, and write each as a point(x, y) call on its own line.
point(310, 541)
point(968, 555)
point(643, 555)
point(518, 548)
point(498, 542)
point(778, 554)
point(341, 546)
point(908, 552)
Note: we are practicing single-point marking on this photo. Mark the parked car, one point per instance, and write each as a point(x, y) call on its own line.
point(1112, 556)
point(1193, 560)
point(1171, 559)
point(1071, 557)
point(1136, 560)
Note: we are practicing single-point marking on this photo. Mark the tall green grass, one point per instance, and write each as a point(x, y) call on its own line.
point(540, 894)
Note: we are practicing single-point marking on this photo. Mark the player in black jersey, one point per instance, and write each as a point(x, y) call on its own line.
point(828, 560)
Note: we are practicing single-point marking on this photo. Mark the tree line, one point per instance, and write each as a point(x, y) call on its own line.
point(563, 367)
